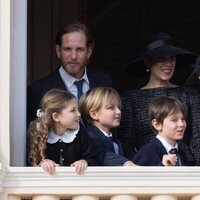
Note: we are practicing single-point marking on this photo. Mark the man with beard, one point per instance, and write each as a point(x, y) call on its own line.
point(74, 46)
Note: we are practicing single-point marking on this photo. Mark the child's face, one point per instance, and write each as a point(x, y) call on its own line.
point(108, 116)
point(172, 128)
point(69, 117)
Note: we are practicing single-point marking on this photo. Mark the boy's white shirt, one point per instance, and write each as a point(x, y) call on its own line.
point(116, 147)
point(166, 145)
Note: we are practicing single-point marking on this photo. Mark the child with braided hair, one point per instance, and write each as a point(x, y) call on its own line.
point(56, 137)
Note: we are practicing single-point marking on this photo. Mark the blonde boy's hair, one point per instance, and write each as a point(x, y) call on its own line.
point(94, 100)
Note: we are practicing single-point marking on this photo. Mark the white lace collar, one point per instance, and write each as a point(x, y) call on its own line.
point(67, 137)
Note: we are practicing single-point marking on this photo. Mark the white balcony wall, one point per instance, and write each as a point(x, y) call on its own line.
point(115, 183)
point(5, 81)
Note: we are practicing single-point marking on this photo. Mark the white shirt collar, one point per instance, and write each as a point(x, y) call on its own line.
point(167, 146)
point(69, 80)
point(67, 137)
point(85, 77)
point(109, 134)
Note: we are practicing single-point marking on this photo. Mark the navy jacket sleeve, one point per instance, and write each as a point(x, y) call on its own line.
point(147, 158)
point(86, 148)
point(102, 150)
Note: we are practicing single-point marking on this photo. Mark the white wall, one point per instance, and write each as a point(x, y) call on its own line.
point(4, 81)
point(18, 75)
point(13, 73)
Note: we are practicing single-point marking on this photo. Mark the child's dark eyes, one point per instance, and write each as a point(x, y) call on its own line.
point(111, 107)
point(175, 120)
point(73, 110)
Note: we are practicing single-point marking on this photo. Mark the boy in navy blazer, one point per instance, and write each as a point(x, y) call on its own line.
point(101, 106)
point(167, 116)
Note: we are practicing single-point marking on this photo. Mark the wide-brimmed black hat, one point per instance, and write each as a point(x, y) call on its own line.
point(159, 45)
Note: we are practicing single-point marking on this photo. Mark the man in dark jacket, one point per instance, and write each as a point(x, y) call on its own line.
point(74, 47)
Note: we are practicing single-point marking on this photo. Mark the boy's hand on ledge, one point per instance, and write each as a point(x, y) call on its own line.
point(129, 164)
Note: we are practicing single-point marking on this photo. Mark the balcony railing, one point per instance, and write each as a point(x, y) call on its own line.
point(107, 183)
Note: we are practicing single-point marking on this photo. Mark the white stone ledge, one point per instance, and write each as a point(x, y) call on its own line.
point(104, 181)
point(2, 175)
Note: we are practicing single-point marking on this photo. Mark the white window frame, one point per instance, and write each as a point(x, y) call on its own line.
point(13, 81)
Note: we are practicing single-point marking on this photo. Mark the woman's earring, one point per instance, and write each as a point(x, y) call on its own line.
point(147, 70)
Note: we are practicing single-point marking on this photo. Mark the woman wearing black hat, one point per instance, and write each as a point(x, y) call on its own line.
point(159, 61)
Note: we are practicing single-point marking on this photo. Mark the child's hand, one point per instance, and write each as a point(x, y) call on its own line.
point(48, 166)
point(129, 164)
point(80, 166)
point(169, 160)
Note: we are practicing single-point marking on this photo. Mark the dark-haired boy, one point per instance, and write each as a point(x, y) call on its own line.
point(167, 116)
